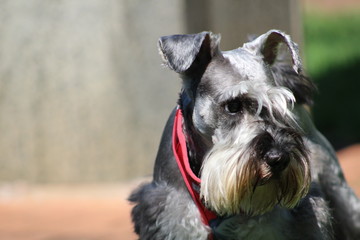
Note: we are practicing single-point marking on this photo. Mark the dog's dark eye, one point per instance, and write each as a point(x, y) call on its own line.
point(233, 106)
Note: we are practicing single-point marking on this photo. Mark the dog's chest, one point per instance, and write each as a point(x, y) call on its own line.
point(261, 231)
point(268, 227)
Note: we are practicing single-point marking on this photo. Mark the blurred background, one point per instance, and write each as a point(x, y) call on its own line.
point(84, 98)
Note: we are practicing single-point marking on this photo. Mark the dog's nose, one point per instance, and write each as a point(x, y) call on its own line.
point(277, 160)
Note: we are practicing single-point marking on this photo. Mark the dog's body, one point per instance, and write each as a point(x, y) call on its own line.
point(265, 171)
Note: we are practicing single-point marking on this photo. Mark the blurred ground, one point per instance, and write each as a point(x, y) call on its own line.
point(91, 212)
point(350, 162)
point(65, 213)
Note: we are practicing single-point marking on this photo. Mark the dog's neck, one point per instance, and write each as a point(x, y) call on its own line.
point(197, 145)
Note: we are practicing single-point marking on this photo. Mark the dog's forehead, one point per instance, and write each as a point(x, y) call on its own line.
point(249, 66)
point(234, 68)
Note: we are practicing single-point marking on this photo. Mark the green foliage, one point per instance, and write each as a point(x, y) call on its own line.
point(332, 54)
point(331, 40)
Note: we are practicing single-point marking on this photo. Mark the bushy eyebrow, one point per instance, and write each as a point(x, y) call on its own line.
point(277, 100)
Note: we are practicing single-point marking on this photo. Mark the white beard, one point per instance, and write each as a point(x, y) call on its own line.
point(233, 181)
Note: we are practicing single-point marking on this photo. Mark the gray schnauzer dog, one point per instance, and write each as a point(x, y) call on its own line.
point(240, 157)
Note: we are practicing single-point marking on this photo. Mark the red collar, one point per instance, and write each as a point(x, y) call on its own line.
point(191, 180)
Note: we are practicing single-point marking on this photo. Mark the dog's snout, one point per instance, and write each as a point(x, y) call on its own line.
point(277, 160)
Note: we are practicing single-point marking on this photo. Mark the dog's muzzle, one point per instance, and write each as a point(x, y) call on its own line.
point(253, 177)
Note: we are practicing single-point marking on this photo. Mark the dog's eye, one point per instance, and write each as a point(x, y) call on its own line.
point(233, 106)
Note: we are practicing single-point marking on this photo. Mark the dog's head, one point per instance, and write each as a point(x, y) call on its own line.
point(243, 138)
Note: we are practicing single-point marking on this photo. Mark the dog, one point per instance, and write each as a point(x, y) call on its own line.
point(240, 157)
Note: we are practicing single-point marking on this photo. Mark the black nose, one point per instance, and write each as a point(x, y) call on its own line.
point(277, 160)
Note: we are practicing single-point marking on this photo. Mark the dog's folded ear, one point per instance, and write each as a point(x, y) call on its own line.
point(276, 49)
point(181, 52)
point(268, 45)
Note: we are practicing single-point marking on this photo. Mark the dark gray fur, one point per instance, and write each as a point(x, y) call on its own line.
point(164, 209)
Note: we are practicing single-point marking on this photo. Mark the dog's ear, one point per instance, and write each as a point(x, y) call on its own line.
point(282, 55)
point(181, 52)
point(267, 45)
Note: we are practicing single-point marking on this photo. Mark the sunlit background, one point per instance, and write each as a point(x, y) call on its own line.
point(84, 98)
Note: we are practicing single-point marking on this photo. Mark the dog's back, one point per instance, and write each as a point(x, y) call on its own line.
point(343, 202)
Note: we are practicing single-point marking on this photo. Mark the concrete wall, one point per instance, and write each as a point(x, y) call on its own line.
point(236, 19)
point(83, 97)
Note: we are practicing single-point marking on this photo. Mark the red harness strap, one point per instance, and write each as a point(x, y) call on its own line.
point(191, 180)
